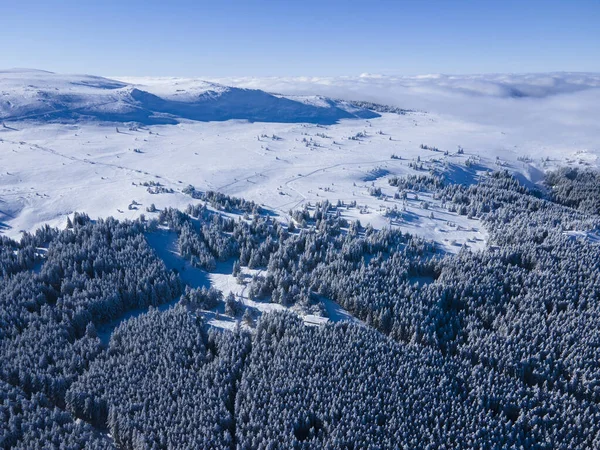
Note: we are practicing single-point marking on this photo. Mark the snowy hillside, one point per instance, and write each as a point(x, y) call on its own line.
point(295, 150)
point(40, 95)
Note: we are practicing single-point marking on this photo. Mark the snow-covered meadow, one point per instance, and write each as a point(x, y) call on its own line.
point(55, 163)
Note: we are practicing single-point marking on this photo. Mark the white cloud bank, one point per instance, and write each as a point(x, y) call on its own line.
point(544, 107)
point(487, 85)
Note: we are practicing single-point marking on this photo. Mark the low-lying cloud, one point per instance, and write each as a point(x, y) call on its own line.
point(463, 95)
point(540, 109)
point(487, 85)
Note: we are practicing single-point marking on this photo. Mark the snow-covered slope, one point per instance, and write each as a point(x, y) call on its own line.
point(51, 168)
point(39, 95)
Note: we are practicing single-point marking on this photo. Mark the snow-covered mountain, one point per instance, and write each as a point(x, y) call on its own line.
point(40, 95)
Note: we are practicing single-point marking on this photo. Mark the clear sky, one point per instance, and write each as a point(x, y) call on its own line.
point(299, 37)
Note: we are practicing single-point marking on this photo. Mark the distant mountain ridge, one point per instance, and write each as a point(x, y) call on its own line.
point(27, 94)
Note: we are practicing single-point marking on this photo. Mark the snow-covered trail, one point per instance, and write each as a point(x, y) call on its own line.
point(164, 243)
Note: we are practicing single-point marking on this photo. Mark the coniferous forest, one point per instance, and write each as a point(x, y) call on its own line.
point(492, 349)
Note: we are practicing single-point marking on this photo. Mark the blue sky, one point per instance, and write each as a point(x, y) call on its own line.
point(282, 38)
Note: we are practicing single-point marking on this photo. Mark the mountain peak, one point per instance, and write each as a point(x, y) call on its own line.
point(45, 96)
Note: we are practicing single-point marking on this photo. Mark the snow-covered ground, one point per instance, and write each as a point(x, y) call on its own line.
point(52, 170)
point(48, 170)
point(108, 148)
